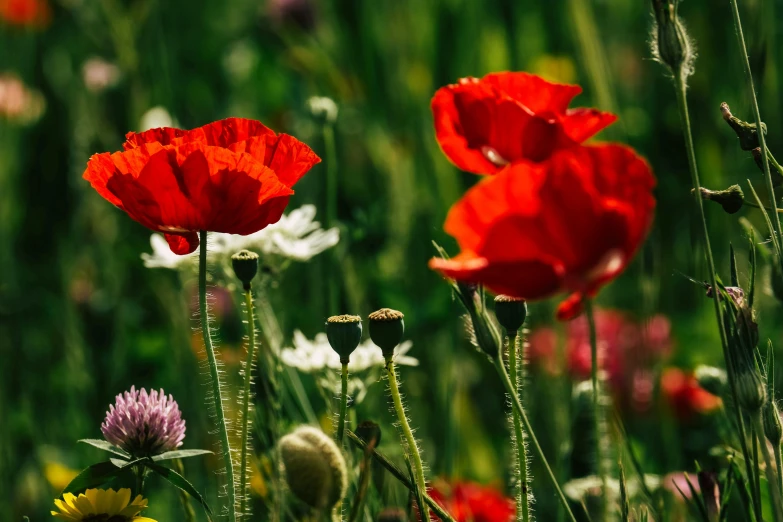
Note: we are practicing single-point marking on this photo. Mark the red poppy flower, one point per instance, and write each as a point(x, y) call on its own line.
point(472, 502)
point(24, 12)
point(569, 224)
point(684, 394)
point(483, 125)
point(232, 176)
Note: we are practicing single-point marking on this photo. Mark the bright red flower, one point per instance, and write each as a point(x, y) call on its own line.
point(483, 125)
point(232, 176)
point(684, 394)
point(472, 502)
point(570, 224)
point(24, 12)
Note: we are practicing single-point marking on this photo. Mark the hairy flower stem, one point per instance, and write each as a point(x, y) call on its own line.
point(343, 404)
point(188, 512)
point(682, 105)
point(516, 375)
point(517, 405)
point(769, 469)
point(597, 410)
point(217, 392)
point(251, 353)
point(778, 463)
point(757, 116)
point(405, 427)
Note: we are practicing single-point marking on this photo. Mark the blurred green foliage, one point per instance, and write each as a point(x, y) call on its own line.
point(81, 319)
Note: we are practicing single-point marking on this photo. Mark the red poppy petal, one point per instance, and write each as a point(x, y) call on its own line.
point(182, 244)
point(534, 92)
point(289, 158)
point(581, 124)
point(100, 168)
point(224, 133)
point(571, 307)
point(162, 135)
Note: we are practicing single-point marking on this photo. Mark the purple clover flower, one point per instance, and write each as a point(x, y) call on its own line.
point(144, 424)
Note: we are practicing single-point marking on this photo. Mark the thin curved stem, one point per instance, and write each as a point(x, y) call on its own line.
point(214, 373)
point(517, 404)
point(516, 376)
point(778, 463)
point(251, 352)
point(769, 469)
point(188, 512)
point(140, 479)
point(405, 427)
point(682, 105)
point(343, 404)
point(597, 413)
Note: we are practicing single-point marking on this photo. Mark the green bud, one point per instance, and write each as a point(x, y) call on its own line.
point(751, 392)
point(369, 432)
point(773, 430)
point(314, 467)
point(511, 313)
point(712, 379)
point(670, 44)
point(386, 329)
point(344, 333)
point(746, 132)
point(245, 264)
point(731, 199)
point(487, 335)
point(392, 515)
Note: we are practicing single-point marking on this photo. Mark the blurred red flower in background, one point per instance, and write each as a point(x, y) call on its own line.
point(483, 125)
point(684, 395)
point(571, 224)
point(233, 176)
point(472, 502)
point(25, 12)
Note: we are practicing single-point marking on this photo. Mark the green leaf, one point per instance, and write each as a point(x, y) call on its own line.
point(180, 454)
point(181, 483)
point(98, 474)
point(107, 446)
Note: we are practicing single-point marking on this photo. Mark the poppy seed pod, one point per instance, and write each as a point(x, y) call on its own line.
point(731, 199)
point(773, 430)
point(751, 392)
point(671, 44)
point(369, 432)
point(746, 132)
point(511, 313)
point(386, 329)
point(245, 265)
point(314, 467)
point(344, 333)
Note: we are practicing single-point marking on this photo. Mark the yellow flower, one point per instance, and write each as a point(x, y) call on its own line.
point(93, 503)
point(59, 476)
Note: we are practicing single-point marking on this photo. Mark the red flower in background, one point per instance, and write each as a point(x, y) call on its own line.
point(472, 502)
point(571, 224)
point(483, 125)
point(25, 12)
point(684, 394)
point(232, 176)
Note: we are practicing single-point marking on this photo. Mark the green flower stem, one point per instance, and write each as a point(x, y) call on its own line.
point(251, 353)
point(217, 392)
point(597, 413)
point(139, 479)
point(757, 116)
point(184, 498)
point(410, 441)
point(343, 404)
point(517, 375)
point(682, 105)
point(778, 462)
point(772, 480)
point(517, 404)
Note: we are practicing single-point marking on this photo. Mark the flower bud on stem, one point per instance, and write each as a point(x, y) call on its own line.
point(344, 333)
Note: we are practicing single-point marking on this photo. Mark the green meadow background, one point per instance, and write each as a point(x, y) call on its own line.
point(81, 318)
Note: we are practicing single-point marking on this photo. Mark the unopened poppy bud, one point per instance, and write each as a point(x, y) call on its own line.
point(773, 430)
point(671, 44)
point(369, 432)
point(344, 333)
point(314, 467)
point(486, 333)
point(731, 199)
point(386, 329)
point(751, 392)
point(712, 379)
point(746, 132)
point(775, 170)
point(323, 109)
point(511, 313)
point(245, 264)
point(392, 515)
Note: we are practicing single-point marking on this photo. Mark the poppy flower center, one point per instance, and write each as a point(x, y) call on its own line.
point(494, 156)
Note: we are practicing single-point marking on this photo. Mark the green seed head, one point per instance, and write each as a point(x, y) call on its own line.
point(746, 132)
point(731, 199)
point(386, 329)
point(751, 392)
point(671, 44)
point(511, 313)
point(344, 333)
point(314, 468)
point(773, 430)
point(245, 264)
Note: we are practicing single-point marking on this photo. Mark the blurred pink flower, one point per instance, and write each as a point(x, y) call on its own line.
point(18, 103)
point(99, 75)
